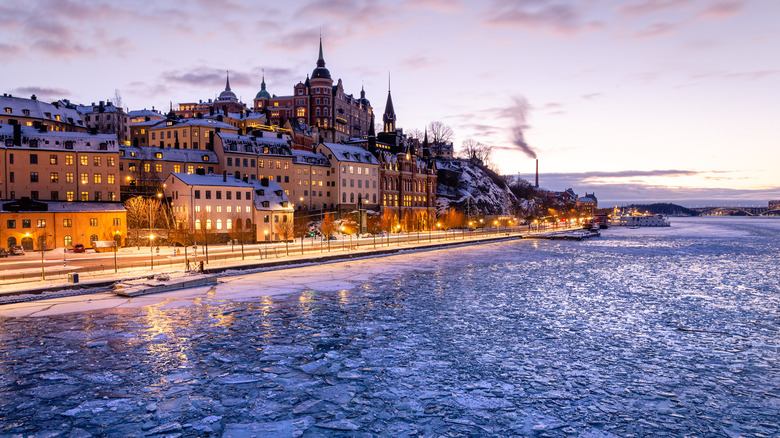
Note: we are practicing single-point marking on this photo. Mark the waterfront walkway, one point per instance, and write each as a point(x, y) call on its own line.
point(27, 284)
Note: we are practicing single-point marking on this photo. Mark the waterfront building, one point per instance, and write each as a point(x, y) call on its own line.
point(219, 207)
point(408, 189)
point(47, 225)
point(354, 176)
point(63, 183)
point(144, 115)
point(313, 187)
point(57, 116)
point(106, 118)
point(58, 165)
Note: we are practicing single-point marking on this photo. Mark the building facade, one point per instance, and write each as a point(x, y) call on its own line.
point(57, 116)
point(354, 176)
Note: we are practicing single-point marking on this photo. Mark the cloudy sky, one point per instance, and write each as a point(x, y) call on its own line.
point(635, 100)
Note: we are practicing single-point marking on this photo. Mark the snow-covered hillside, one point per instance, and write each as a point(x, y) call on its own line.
point(471, 188)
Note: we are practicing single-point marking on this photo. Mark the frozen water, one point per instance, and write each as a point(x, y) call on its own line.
point(645, 332)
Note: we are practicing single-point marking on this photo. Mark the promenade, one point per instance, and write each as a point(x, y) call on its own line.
point(22, 276)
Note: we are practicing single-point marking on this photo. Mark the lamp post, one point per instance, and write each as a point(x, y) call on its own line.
point(115, 250)
point(498, 228)
point(151, 235)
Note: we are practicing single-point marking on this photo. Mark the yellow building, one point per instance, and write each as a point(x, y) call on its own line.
point(47, 225)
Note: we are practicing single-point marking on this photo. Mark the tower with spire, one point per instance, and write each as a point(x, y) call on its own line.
point(389, 116)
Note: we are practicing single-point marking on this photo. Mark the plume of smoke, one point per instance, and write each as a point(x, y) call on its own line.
point(520, 111)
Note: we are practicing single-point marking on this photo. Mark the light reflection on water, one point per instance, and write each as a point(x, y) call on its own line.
point(592, 323)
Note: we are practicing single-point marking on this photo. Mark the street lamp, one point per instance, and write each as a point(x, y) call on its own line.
point(498, 229)
point(151, 249)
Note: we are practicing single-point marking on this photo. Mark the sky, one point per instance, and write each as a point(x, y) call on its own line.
point(634, 100)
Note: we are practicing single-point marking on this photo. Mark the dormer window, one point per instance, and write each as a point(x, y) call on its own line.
point(266, 204)
point(8, 110)
point(278, 193)
point(205, 158)
point(68, 145)
point(260, 192)
point(26, 112)
point(103, 146)
point(33, 143)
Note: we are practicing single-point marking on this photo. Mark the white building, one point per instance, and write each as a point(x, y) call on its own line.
point(223, 205)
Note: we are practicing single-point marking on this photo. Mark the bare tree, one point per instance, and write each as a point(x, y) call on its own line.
point(328, 227)
point(206, 233)
point(439, 133)
point(374, 225)
point(301, 229)
point(415, 134)
point(286, 230)
point(117, 98)
point(471, 149)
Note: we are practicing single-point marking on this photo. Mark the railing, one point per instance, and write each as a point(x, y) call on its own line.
point(318, 247)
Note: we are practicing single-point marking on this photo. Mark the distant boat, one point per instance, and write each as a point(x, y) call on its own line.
point(632, 221)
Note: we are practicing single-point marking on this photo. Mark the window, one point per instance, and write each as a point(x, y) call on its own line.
point(208, 194)
point(197, 209)
point(238, 209)
point(158, 154)
point(68, 177)
point(219, 194)
point(98, 196)
point(197, 224)
point(33, 158)
point(229, 224)
point(158, 167)
point(92, 239)
point(68, 240)
point(11, 223)
point(260, 163)
point(10, 177)
point(177, 168)
point(205, 158)
point(197, 194)
point(84, 160)
point(110, 161)
point(67, 223)
point(52, 159)
point(98, 178)
point(93, 222)
point(34, 177)
point(266, 218)
point(208, 224)
point(69, 160)
point(26, 223)
point(238, 196)
point(84, 178)
point(96, 161)
point(147, 167)
point(34, 194)
point(112, 196)
point(84, 196)
point(219, 224)
point(117, 222)
point(54, 177)
point(190, 169)
point(208, 209)
point(41, 223)
point(110, 178)
point(229, 209)
point(69, 196)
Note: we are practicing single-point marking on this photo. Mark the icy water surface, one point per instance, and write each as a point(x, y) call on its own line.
point(650, 332)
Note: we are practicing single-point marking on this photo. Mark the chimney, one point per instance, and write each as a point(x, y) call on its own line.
point(537, 173)
point(264, 182)
point(17, 133)
point(224, 176)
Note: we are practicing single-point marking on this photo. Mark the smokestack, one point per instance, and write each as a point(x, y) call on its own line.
point(224, 176)
point(537, 173)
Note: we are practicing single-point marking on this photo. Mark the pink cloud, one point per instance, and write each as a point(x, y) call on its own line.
point(723, 9)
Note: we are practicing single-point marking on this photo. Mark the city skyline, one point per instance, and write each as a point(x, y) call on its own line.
point(640, 100)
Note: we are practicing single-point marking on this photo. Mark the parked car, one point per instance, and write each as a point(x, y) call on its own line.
point(16, 250)
point(78, 248)
point(3, 252)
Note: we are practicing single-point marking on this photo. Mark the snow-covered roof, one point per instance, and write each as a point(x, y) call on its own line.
point(301, 156)
point(168, 154)
point(145, 113)
point(79, 141)
point(270, 191)
point(232, 142)
point(76, 206)
point(107, 108)
point(34, 108)
point(355, 154)
point(196, 122)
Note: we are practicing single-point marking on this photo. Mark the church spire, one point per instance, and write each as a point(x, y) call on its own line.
point(389, 116)
point(227, 81)
point(321, 59)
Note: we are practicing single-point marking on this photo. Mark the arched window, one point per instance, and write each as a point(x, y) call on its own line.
point(344, 197)
point(208, 224)
point(68, 241)
point(93, 238)
point(238, 224)
point(11, 241)
point(248, 224)
point(229, 224)
point(219, 224)
point(351, 197)
point(197, 224)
